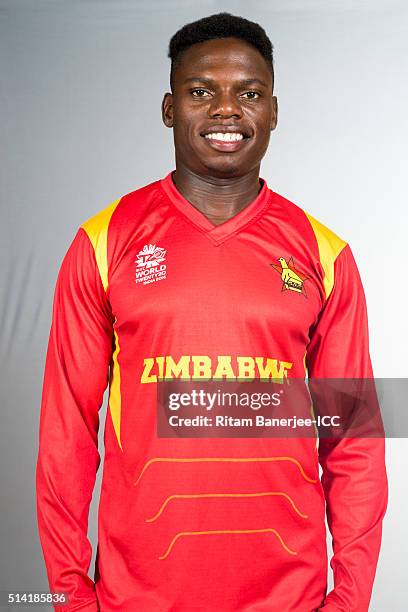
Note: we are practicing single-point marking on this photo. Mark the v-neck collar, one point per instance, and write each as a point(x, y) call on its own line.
point(217, 233)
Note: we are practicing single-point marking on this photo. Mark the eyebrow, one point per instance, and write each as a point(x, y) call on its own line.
point(211, 82)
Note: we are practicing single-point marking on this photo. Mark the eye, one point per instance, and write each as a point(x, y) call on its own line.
point(252, 92)
point(199, 90)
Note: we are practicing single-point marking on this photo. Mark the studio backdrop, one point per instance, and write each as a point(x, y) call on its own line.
point(82, 84)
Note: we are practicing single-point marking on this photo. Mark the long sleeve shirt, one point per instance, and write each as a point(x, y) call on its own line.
point(150, 290)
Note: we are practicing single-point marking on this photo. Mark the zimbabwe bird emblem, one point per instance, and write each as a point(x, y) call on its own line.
point(292, 279)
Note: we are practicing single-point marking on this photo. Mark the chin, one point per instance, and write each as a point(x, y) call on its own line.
point(230, 168)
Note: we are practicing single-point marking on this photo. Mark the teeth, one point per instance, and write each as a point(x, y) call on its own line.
point(228, 137)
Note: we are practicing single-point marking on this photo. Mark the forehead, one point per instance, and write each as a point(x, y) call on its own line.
point(222, 55)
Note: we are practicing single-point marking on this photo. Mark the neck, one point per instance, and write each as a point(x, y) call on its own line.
point(218, 199)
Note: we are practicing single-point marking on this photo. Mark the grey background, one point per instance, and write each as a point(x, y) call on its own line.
point(82, 83)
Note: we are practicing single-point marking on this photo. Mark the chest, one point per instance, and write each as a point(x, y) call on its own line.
point(183, 281)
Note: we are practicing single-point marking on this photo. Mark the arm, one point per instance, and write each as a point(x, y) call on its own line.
point(75, 377)
point(353, 469)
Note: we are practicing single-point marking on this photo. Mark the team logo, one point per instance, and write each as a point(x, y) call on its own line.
point(149, 264)
point(292, 279)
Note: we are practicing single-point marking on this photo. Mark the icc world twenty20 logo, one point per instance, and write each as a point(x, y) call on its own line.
point(149, 264)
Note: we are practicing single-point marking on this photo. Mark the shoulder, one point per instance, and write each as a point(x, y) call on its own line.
point(114, 217)
point(330, 246)
point(327, 244)
point(98, 223)
point(326, 238)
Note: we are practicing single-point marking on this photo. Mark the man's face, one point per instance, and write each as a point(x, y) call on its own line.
point(221, 84)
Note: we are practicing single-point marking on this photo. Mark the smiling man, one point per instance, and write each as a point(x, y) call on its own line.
point(222, 112)
point(206, 275)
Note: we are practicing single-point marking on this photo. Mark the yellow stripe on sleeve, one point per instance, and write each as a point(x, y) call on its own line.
point(97, 229)
point(330, 245)
point(115, 398)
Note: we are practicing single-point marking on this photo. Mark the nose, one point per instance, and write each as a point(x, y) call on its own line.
point(225, 104)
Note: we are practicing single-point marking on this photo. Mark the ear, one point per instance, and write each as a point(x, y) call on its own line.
point(167, 110)
point(274, 119)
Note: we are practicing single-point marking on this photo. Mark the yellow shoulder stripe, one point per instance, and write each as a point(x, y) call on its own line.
point(330, 245)
point(115, 397)
point(97, 229)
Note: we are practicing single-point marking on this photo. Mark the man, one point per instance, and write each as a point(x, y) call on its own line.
point(206, 274)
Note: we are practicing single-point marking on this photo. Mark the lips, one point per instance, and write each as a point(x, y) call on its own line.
point(223, 129)
point(225, 145)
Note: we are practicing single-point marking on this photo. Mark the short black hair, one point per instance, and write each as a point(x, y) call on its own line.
point(219, 25)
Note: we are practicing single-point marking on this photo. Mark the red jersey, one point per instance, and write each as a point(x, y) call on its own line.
point(149, 290)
